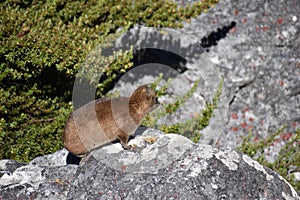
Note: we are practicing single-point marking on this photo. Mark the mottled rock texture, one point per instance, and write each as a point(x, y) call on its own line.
point(170, 167)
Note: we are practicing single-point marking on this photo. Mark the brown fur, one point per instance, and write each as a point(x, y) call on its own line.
point(104, 120)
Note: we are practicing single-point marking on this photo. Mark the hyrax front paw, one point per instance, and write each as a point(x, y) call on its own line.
point(130, 147)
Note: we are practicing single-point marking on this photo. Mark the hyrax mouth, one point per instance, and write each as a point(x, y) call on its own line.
point(156, 101)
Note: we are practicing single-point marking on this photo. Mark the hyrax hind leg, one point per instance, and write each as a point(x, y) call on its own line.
point(123, 137)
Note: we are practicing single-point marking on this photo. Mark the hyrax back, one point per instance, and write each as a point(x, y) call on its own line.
point(104, 120)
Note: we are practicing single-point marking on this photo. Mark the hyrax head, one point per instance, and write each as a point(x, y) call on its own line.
point(146, 97)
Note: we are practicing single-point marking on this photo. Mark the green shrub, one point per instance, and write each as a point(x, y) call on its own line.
point(44, 43)
point(288, 157)
point(190, 128)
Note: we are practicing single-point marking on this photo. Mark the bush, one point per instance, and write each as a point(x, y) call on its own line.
point(288, 156)
point(43, 44)
point(190, 128)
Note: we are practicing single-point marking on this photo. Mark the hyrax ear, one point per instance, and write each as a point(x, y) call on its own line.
point(147, 89)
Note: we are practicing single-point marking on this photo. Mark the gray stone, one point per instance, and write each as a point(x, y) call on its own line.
point(173, 167)
point(178, 56)
point(161, 166)
point(37, 181)
point(259, 60)
point(253, 47)
point(8, 166)
point(56, 159)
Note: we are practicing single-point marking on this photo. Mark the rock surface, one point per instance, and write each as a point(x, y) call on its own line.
point(171, 167)
point(178, 56)
point(256, 46)
point(253, 45)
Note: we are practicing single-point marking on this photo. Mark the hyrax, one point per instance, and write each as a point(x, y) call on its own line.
point(105, 120)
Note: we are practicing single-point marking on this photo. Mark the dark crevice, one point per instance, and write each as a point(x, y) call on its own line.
point(72, 159)
point(239, 89)
point(295, 93)
point(245, 85)
point(232, 100)
point(150, 56)
point(153, 55)
point(213, 38)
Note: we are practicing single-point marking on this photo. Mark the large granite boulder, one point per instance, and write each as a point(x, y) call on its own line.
point(159, 167)
point(256, 45)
